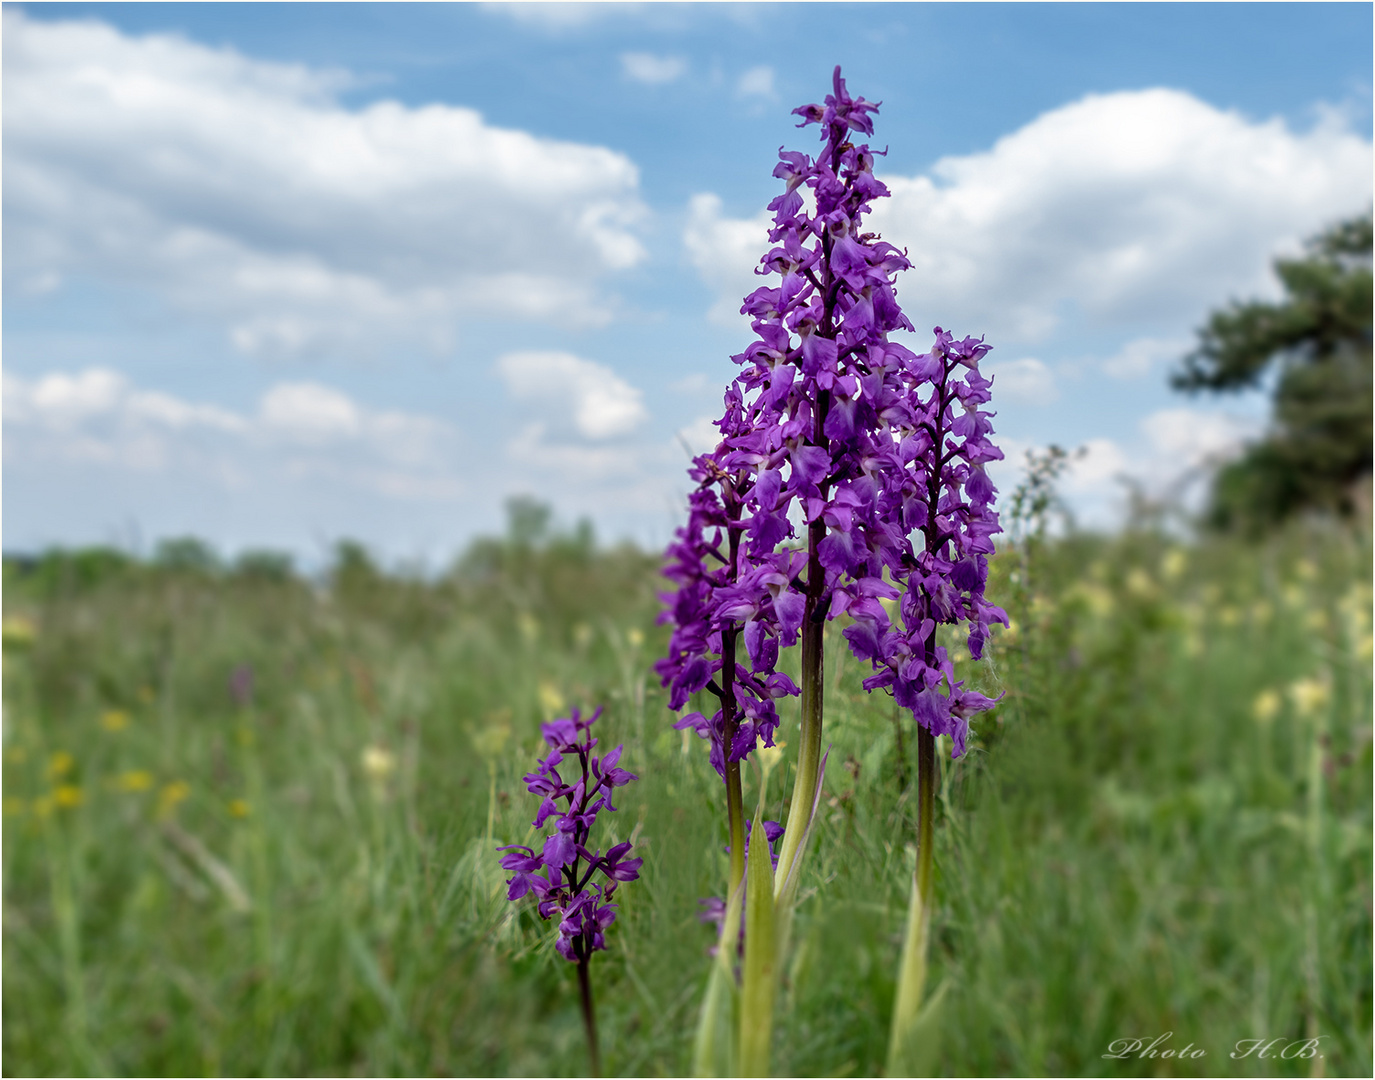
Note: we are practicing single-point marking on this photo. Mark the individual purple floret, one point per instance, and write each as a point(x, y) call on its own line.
point(561, 874)
point(833, 424)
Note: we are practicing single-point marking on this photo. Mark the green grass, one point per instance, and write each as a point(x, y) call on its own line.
point(1164, 827)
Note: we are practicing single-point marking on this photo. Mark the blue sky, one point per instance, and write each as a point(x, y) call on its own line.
point(278, 274)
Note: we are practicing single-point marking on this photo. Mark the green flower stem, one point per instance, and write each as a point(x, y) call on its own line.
point(912, 976)
point(1315, 895)
point(813, 677)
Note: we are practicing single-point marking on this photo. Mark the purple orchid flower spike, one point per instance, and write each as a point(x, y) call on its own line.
point(835, 423)
point(849, 479)
point(561, 876)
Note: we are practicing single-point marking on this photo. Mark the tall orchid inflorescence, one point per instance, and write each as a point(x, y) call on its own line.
point(876, 454)
point(562, 875)
point(861, 440)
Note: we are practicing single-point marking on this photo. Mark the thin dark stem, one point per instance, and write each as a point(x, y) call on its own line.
point(589, 1012)
point(926, 807)
point(926, 741)
point(735, 798)
point(902, 751)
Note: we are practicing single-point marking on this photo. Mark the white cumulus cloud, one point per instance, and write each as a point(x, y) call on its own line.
point(1143, 356)
point(725, 252)
point(1139, 208)
point(244, 191)
point(757, 82)
point(1185, 440)
point(652, 70)
point(600, 404)
point(98, 415)
point(309, 412)
point(1027, 380)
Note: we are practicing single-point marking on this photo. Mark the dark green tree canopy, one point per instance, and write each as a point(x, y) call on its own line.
point(1318, 448)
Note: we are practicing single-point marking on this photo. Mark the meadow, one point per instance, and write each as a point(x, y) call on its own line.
point(250, 819)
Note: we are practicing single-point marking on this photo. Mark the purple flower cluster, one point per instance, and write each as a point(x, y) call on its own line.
point(560, 876)
point(858, 439)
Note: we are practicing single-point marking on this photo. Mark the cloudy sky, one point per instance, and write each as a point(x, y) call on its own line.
point(280, 274)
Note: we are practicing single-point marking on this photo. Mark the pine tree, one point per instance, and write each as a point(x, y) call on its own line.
point(1317, 451)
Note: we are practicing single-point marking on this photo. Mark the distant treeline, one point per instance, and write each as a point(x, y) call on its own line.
point(530, 531)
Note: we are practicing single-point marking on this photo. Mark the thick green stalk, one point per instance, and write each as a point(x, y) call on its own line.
point(912, 976)
point(809, 752)
point(813, 676)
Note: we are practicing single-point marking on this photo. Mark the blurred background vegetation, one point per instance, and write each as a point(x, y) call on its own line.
point(249, 816)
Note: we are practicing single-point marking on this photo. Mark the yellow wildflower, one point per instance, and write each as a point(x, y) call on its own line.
point(635, 637)
point(1042, 608)
point(550, 700)
point(1309, 695)
point(238, 808)
point(378, 762)
point(1266, 706)
point(133, 780)
point(1139, 584)
point(114, 719)
point(768, 756)
point(171, 795)
point(1173, 565)
point(60, 764)
point(18, 631)
point(68, 796)
point(490, 740)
